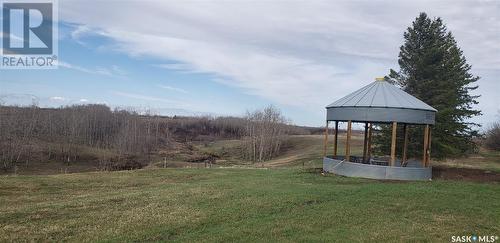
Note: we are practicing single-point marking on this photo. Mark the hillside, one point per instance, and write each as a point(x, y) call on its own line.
point(306, 150)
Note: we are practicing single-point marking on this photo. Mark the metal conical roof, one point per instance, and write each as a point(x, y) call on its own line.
point(381, 102)
point(383, 95)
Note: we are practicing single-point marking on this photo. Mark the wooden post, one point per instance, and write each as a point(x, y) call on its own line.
point(365, 142)
point(428, 162)
point(348, 142)
point(369, 146)
point(393, 143)
point(335, 140)
point(405, 145)
point(426, 144)
point(325, 143)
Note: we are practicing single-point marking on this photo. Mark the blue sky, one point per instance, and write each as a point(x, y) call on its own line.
point(223, 58)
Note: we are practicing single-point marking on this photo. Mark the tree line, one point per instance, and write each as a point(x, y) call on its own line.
point(125, 138)
point(34, 134)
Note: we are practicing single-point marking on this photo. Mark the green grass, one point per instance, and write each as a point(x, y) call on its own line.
point(241, 205)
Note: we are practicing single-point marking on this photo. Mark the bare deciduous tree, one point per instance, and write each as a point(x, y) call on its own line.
point(66, 134)
point(492, 140)
point(265, 131)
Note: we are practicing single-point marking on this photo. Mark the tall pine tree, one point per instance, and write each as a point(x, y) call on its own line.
point(434, 69)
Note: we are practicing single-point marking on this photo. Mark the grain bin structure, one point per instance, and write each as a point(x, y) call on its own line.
point(379, 103)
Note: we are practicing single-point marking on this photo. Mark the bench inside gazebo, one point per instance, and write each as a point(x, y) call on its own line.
point(379, 103)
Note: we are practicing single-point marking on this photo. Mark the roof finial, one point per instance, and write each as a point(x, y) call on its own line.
point(380, 79)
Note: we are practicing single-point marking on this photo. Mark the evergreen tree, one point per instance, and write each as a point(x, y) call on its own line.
point(434, 69)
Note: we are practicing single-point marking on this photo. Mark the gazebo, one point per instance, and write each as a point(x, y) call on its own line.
point(379, 103)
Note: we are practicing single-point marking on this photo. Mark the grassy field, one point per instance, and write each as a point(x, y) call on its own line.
point(287, 200)
point(485, 159)
point(305, 151)
point(241, 205)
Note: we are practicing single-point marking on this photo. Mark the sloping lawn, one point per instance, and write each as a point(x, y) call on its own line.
point(241, 205)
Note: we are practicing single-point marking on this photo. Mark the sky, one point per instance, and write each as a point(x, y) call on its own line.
point(226, 57)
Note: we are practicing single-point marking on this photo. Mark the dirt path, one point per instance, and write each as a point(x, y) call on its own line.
point(465, 174)
point(282, 161)
point(309, 147)
point(300, 147)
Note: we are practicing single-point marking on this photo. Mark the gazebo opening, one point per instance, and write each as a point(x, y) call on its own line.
point(378, 103)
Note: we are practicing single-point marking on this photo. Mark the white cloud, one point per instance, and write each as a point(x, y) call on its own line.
point(179, 67)
point(173, 89)
point(84, 101)
point(304, 54)
point(110, 72)
point(80, 31)
point(57, 98)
